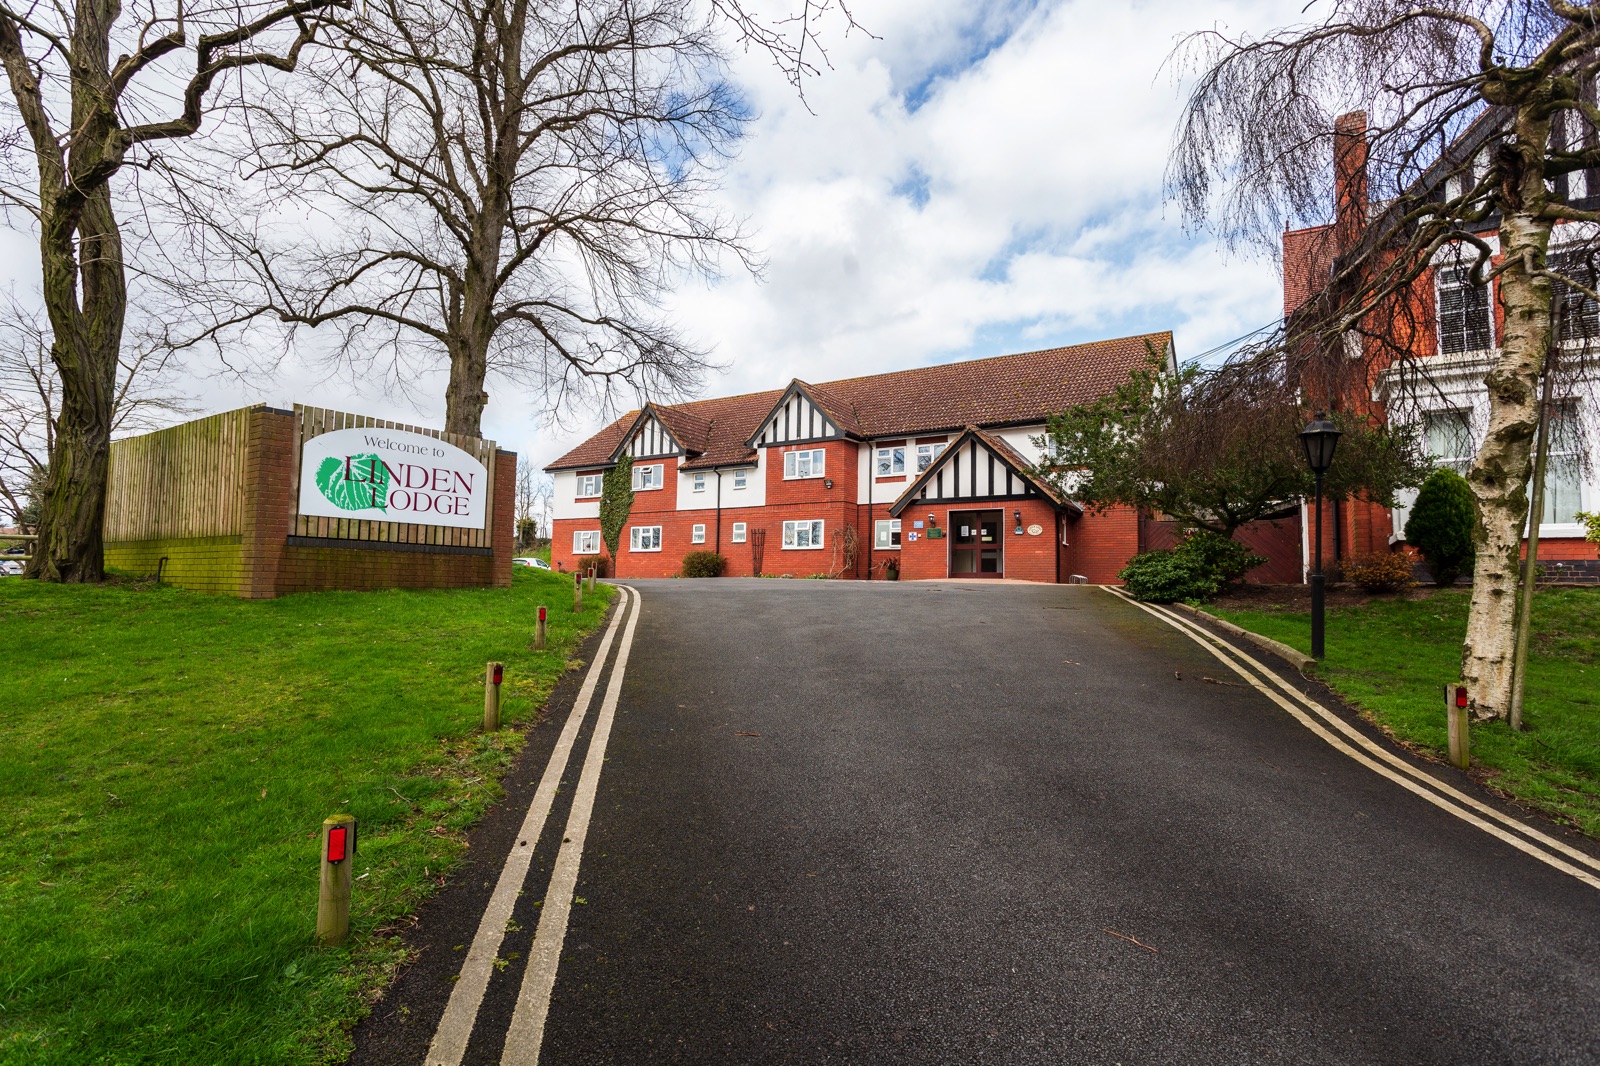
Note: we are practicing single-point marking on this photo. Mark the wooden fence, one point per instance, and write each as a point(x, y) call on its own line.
point(187, 481)
point(312, 422)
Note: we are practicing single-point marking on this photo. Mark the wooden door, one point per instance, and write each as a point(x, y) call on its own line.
point(977, 544)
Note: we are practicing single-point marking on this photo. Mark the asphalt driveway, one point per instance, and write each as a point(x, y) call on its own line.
point(951, 823)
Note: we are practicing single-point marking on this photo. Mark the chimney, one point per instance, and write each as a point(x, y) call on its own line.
point(1349, 180)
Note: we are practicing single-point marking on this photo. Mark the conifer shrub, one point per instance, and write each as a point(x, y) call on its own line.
point(704, 564)
point(1380, 571)
point(1441, 525)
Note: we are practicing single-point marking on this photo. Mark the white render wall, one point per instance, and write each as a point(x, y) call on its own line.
point(754, 494)
point(566, 503)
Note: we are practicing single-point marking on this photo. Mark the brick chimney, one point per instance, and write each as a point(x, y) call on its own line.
point(1349, 180)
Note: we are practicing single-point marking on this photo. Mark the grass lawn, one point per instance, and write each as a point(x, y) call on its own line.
point(1392, 658)
point(166, 761)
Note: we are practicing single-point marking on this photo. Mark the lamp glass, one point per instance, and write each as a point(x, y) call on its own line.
point(1320, 439)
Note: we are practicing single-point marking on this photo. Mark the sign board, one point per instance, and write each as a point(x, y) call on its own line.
point(391, 475)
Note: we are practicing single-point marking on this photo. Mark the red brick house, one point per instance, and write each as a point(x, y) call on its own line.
point(1454, 330)
point(924, 472)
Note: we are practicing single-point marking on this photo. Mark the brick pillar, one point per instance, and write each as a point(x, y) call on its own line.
point(268, 474)
point(503, 537)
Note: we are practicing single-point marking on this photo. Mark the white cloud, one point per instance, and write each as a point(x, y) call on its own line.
point(978, 179)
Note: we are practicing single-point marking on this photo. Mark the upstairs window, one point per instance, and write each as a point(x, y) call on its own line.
point(1449, 439)
point(646, 478)
point(927, 453)
point(891, 461)
point(1580, 316)
point(741, 478)
point(1464, 322)
point(589, 484)
point(802, 535)
point(699, 483)
point(804, 463)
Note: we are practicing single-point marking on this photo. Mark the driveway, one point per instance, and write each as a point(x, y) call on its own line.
point(951, 823)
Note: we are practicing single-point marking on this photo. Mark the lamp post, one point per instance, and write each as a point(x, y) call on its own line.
point(1320, 438)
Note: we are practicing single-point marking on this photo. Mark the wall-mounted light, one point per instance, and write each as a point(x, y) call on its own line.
point(1018, 515)
point(930, 518)
point(827, 482)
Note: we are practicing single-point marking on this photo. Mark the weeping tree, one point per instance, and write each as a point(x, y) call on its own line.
point(1479, 144)
point(94, 90)
point(1216, 448)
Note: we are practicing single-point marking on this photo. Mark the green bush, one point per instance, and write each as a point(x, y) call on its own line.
point(1591, 525)
point(1197, 569)
point(704, 564)
point(1441, 525)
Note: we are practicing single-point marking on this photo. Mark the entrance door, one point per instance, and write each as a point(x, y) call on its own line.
point(977, 544)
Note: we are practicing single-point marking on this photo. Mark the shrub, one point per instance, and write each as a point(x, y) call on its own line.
point(1441, 524)
point(704, 564)
point(1380, 571)
point(1197, 569)
point(1591, 525)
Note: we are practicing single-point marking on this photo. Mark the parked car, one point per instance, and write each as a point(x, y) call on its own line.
point(10, 568)
point(524, 560)
point(15, 549)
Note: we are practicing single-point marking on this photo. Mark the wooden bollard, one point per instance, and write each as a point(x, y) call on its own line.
point(333, 896)
point(491, 697)
point(1455, 709)
point(577, 593)
point(540, 633)
point(594, 573)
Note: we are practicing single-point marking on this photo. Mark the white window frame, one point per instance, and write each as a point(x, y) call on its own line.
point(813, 534)
point(1565, 461)
point(894, 457)
point(927, 454)
point(589, 485)
point(651, 472)
point(644, 539)
point(697, 533)
point(699, 482)
point(738, 534)
point(741, 478)
point(582, 544)
point(814, 461)
point(886, 534)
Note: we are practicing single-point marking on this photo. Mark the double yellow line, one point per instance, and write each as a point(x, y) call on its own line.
point(1376, 757)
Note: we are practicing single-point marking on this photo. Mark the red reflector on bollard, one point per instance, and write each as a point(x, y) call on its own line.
point(337, 843)
point(498, 669)
point(1461, 695)
point(541, 614)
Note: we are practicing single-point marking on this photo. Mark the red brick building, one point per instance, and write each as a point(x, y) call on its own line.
point(1454, 331)
point(922, 472)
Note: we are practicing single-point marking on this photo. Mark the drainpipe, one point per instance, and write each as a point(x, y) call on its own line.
point(872, 525)
point(717, 470)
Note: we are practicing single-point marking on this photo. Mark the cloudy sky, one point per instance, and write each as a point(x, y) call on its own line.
point(975, 179)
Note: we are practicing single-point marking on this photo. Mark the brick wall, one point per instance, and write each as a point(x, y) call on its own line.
point(206, 564)
point(1026, 557)
point(1100, 545)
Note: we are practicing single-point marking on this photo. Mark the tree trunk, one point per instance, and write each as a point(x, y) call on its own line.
point(1500, 471)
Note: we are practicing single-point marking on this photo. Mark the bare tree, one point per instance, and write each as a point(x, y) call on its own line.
point(1481, 114)
point(85, 116)
point(144, 397)
point(512, 185)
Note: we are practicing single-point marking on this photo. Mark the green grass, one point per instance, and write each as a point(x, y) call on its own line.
point(166, 761)
point(1392, 658)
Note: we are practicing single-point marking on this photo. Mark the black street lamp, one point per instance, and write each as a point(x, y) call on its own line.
point(1320, 438)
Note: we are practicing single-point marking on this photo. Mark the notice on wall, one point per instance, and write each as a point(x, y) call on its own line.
point(391, 475)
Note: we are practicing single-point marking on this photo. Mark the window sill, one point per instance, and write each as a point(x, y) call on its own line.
point(795, 548)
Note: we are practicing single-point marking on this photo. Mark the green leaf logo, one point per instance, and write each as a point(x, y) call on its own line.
point(357, 483)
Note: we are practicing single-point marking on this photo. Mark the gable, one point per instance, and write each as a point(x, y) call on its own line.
point(648, 439)
point(976, 468)
point(795, 419)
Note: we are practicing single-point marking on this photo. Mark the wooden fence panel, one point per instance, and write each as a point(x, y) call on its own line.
point(186, 481)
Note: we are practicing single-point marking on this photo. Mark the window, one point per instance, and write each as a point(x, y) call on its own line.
point(697, 534)
point(741, 478)
point(644, 539)
point(589, 484)
point(886, 533)
point(891, 461)
point(738, 532)
point(804, 463)
point(1449, 438)
point(1563, 480)
point(1464, 324)
point(586, 542)
point(1580, 317)
point(646, 478)
point(802, 534)
point(699, 483)
point(926, 454)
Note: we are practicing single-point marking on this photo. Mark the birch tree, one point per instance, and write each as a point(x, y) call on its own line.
point(1482, 119)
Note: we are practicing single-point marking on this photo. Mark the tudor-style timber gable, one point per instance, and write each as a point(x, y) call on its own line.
point(648, 438)
point(978, 467)
point(799, 417)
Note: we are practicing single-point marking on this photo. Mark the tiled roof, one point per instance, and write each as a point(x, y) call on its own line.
point(1004, 390)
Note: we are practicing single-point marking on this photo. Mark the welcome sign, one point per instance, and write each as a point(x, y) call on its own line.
point(392, 475)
